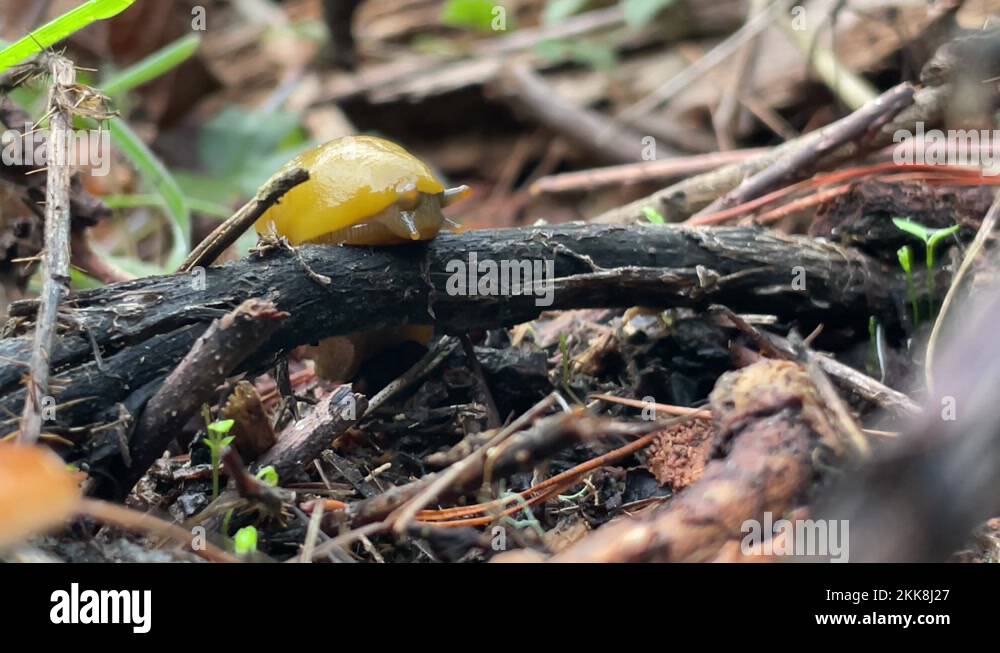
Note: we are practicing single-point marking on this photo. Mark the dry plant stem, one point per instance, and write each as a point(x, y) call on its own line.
point(343, 540)
point(818, 181)
point(857, 382)
point(728, 112)
point(529, 91)
point(552, 485)
point(493, 415)
point(847, 426)
point(434, 357)
point(213, 357)
point(56, 281)
point(854, 128)
point(233, 227)
point(702, 414)
point(986, 230)
point(312, 533)
point(852, 89)
point(85, 258)
point(405, 69)
point(698, 413)
point(128, 519)
point(629, 173)
point(713, 58)
point(683, 199)
point(401, 518)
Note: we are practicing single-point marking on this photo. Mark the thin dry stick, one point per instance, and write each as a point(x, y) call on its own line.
point(860, 124)
point(132, 520)
point(692, 73)
point(405, 514)
point(56, 280)
point(434, 357)
point(985, 230)
point(630, 173)
point(312, 533)
point(233, 227)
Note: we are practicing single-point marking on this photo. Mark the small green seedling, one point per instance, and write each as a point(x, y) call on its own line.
point(931, 238)
point(905, 255)
point(530, 521)
point(245, 541)
point(217, 440)
point(654, 216)
point(268, 475)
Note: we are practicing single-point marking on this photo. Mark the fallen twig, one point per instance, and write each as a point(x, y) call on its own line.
point(57, 227)
point(213, 357)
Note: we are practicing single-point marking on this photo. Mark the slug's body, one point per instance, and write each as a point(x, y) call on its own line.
point(361, 190)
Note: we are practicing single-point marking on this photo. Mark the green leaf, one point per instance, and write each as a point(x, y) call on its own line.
point(937, 235)
point(557, 11)
point(268, 475)
point(244, 148)
point(638, 13)
point(598, 56)
point(222, 426)
point(653, 215)
point(228, 440)
point(157, 175)
point(60, 28)
point(474, 14)
point(156, 64)
point(245, 541)
point(905, 258)
point(915, 229)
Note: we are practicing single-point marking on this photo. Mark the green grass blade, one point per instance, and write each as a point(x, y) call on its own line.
point(119, 202)
point(60, 28)
point(156, 64)
point(150, 167)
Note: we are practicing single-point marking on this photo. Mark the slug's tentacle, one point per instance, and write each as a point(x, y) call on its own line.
point(406, 226)
point(453, 195)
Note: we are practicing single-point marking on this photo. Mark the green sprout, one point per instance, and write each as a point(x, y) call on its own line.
point(530, 521)
point(931, 238)
point(245, 541)
point(217, 440)
point(267, 475)
point(905, 255)
point(654, 216)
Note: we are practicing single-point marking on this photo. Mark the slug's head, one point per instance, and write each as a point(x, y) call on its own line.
point(362, 190)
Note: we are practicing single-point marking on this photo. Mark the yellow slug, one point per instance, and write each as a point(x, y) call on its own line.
point(362, 190)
